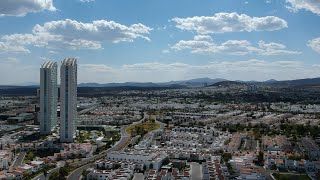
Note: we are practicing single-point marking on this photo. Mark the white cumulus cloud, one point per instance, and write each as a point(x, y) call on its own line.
point(87, 1)
point(204, 44)
point(6, 47)
point(229, 22)
point(308, 5)
point(315, 44)
point(71, 34)
point(23, 7)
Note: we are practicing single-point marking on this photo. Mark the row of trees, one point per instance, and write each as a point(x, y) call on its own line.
point(61, 174)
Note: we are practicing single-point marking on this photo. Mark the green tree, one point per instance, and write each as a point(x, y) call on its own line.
point(54, 176)
point(260, 157)
point(226, 157)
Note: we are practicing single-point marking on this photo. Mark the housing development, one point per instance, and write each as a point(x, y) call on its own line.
point(159, 90)
point(160, 132)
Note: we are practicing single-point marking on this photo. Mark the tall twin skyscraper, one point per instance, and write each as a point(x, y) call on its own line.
point(48, 97)
point(68, 98)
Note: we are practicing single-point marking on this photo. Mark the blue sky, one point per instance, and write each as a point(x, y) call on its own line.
point(153, 40)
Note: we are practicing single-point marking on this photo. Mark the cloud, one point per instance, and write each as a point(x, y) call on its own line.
point(6, 47)
point(166, 51)
point(308, 5)
point(86, 1)
point(273, 48)
point(23, 7)
point(74, 35)
point(315, 44)
point(252, 69)
point(203, 44)
point(53, 52)
point(229, 22)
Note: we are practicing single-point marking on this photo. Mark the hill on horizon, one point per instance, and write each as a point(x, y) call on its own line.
point(197, 82)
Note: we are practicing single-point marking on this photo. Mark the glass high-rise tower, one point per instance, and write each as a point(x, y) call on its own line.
point(68, 100)
point(48, 97)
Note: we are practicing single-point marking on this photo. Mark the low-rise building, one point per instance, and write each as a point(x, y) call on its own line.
point(6, 157)
point(211, 169)
point(152, 160)
point(121, 174)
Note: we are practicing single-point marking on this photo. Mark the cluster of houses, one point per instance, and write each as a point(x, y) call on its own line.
point(243, 166)
point(120, 173)
point(121, 165)
point(6, 157)
point(26, 169)
point(188, 138)
point(155, 163)
point(212, 169)
point(184, 138)
point(183, 117)
point(147, 140)
point(168, 174)
point(284, 160)
point(63, 152)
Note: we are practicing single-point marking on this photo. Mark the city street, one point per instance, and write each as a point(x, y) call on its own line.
point(77, 173)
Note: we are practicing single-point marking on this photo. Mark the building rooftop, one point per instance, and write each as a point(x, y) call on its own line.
point(69, 62)
point(48, 64)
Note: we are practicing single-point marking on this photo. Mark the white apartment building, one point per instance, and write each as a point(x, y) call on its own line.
point(120, 174)
point(68, 100)
point(152, 160)
point(106, 164)
point(148, 139)
point(48, 97)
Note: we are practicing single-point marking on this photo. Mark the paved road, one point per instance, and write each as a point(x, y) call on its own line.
point(196, 171)
point(138, 176)
point(162, 125)
point(41, 176)
point(19, 159)
point(76, 174)
point(266, 173)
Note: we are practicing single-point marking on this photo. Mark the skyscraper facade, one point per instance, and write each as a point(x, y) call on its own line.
point(48, 97)
point(68, 99)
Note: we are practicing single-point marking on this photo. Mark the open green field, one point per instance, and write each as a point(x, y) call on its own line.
point(142, 128)
point(291, 177)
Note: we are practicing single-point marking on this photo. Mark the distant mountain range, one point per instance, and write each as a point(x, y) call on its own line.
point(186, 83)
point(198, 82)
point(272, 82)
